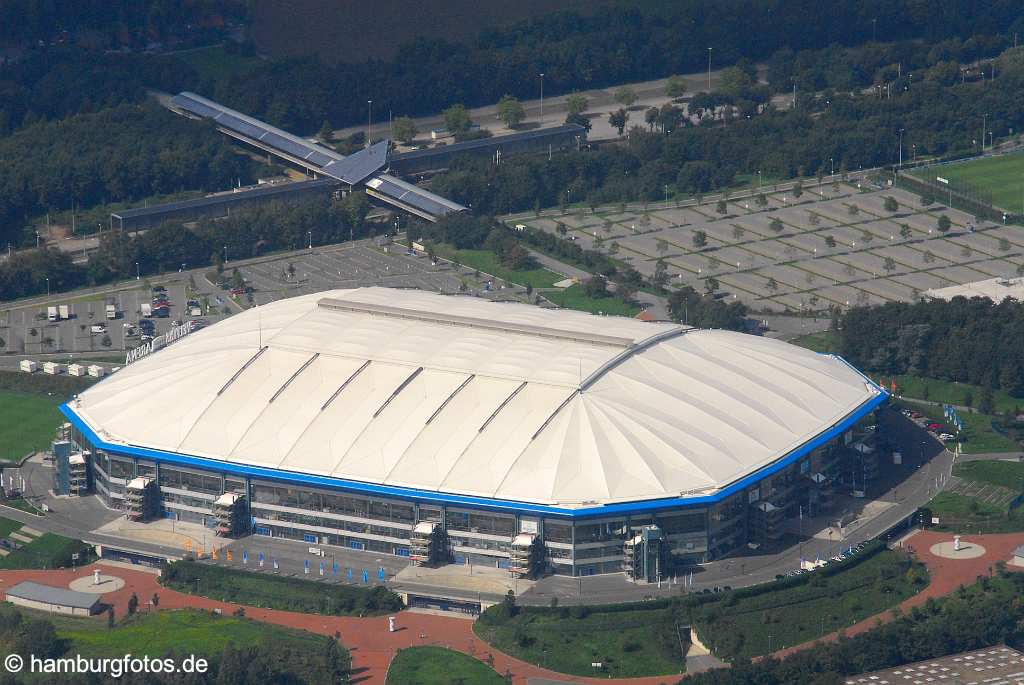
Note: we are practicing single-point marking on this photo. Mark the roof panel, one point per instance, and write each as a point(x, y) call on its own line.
point(666, 410)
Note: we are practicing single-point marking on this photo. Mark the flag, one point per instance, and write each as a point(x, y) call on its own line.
point(321, 568)
point(229, 555)
point(349, 574)
point(334, 568)
point(380, 573)
point(276, 565)
point(245, 556)
point(261, 559)
point(305, 566)
point(892, 386)
point(366, 576)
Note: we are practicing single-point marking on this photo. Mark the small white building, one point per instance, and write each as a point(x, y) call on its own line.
point(28, 366)
point(76, 370)
point(52, 368)
point(96, 371)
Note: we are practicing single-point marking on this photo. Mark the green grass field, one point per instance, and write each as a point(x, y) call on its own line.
point(46, 551)
point(1002, 177)
point(182, 632)
point(439, 666)
point(573, 297)
point(1007, 474)
point(936, 390)
point(215, 62)
point(978, 435)
point(8, 526)
point(961, 514)
point(487, 262)
point(826, 341)
point(28, 423)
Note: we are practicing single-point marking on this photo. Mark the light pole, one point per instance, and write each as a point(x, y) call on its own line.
point(542, 99)
point(832, 161)
point(984, 126)
point(225, 254)
point(369, 120)
point(709, 70)
point(47, 287)
point(310, 239)
point(138, 276)
point(901, 148)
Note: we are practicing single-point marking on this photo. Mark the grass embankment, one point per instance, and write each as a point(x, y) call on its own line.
point(48, 551)
point(573, 297)
point(278, 592)
point(182, 632)
point(978, 435)
point(825, 342)
point(949, 392)
point(981, 502)
point(28, 423)
point(999, 176)
point(439, 666)
point(487, 262)
point(644, 639)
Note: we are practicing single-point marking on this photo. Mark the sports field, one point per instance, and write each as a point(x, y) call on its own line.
point(1001, 176)
point(29, 422)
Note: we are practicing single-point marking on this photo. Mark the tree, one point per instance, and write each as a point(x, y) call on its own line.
point(905, 231)
point(326, 133)
point(133, 604)
point(889, 264)
point(595, 287)
point(510, 111)
point(661, 246)
point(734, 82)
point(830, 241)
point(710, 285)
point(110, 616)
point(853, 210)
point(618, 120)
point(405, 129)
point(798, 189)
point(700, 239)
point(773, 285)
point(537, 558)
point(761, 200)
point(439, 548)
point(776, 225)
point(625, 96)
point(651, 117)
point(813, 219)
point(576, 103)
point(890, 204)
point(1004, 245)
point(155, 601)
point(579, 120)
point(456, 119)
point(944, 223)
point(106, 341)
point(660, 279)
point(721, 207)
point(738, 232)
point(675, 87)
point(986, 403)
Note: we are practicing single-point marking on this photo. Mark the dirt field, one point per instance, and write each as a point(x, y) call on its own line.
point(345, 30)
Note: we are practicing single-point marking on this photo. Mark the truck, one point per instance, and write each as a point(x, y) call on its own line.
point(147, 309)
point(64, 311)
point(111, 311)
point(51, 313)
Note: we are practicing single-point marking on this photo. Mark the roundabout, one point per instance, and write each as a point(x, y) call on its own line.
point(957, 549)
point(99, 584)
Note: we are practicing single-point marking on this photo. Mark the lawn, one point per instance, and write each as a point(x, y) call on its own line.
point(47, 551)
point(278, 592)
point(978, 436)
point(1007, 474)
point(643, 639)
point(216, 63)
point(183, 632)
point(28, 424)
point(487, 262)
point(961, 514)
point(751, 626)
point(950, 392)
point(635, 643)
point(439, 666)
point(826, 342)
point(1000, 176)
point(573, 297)
point(8, 526)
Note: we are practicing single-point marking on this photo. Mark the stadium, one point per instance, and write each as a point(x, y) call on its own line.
point(365, 418)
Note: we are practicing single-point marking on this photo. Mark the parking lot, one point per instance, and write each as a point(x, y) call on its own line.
point(831, 246)
point(27, 332)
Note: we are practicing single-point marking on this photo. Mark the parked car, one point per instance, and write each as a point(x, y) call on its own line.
point(98, 328)
point(237, 291)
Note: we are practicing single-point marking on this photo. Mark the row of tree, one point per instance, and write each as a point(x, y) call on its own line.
point(247, 233)
point(844, 131)
point(121, 154)
point(966, 340)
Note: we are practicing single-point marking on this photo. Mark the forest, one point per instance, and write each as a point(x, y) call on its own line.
point(847, 131)
point(966, 340)
point(248, 233)
point(125, 153)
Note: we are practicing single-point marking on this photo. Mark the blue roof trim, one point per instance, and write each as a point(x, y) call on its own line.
point(479, 502)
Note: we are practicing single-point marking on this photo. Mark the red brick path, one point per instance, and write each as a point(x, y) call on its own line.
point(372, 646)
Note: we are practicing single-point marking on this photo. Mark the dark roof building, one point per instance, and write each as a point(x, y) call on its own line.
point(541, 140)
point(53, 599)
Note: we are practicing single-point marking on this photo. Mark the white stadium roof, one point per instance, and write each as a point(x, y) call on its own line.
point(460, 395)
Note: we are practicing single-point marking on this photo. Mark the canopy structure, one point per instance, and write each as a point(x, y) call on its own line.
point(459, 395)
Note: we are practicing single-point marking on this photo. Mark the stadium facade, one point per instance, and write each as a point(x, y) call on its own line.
point(366, 418)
